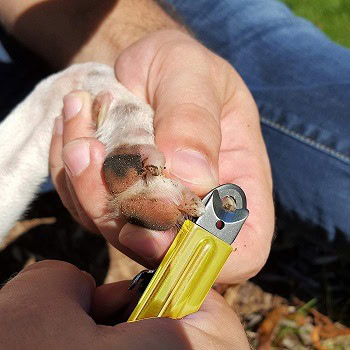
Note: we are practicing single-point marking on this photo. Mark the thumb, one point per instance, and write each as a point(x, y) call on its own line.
point(178, 80)
point(189, 136)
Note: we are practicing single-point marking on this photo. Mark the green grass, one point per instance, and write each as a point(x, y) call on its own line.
point(331, 16)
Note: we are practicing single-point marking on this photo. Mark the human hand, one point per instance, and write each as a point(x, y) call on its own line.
point(201, 107)
point(54, 305)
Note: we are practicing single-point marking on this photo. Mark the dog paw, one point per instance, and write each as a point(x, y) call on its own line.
point(142, 194)
point(133, 168)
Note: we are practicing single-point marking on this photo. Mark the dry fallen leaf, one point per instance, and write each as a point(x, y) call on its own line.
point(328, 329)
point(268, 325)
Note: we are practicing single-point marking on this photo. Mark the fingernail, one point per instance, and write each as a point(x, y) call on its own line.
point(58, 126)
point(142, 243)
point(76, 156)
point(72, 105)
point(191, 166)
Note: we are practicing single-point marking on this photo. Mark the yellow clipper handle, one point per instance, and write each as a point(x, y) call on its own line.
point(185, 276)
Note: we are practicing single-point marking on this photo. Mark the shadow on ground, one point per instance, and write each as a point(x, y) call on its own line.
point(64, 240)
point(303, 263)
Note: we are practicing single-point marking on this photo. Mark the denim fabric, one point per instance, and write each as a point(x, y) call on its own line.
point(300, 81)
point(4, 57)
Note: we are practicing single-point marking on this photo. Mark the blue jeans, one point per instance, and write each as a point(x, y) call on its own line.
point(301, 83)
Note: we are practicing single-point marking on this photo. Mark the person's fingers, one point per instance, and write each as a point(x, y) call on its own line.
point(57, 170)
point(77, 116)
point(60, 179)
point(215, 325)
point(78, 124)
point(77, 108)
point(218, 320)
point(200, 99)
point(187, 119)
point(48, 302)
point(243, 161)
point(48, 297)
point(149, 245)
point(215, 322)
point(181, 87)
point(83, 159)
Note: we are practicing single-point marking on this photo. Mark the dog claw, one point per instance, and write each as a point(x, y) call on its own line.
point(154, 170)
point(100, 108)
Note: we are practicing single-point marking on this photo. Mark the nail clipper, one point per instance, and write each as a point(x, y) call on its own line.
point(190, 267)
